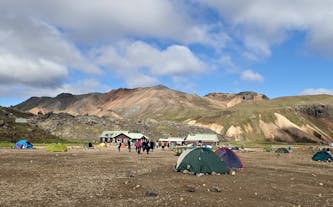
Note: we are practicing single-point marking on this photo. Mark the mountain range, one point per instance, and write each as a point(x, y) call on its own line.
point(246, 116)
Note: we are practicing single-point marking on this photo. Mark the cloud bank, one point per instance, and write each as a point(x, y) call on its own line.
point(143, 42)
point(317, 91)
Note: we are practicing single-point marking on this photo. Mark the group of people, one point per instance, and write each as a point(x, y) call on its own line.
point(327, 150)
point(145, 145)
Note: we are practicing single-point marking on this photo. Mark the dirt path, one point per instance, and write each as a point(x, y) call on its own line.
point(104, 177)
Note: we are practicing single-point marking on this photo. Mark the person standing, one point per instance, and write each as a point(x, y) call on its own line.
point(138, 146)
point(148, 145)
point(118, 145)
point(152, 145)
point(129, 145)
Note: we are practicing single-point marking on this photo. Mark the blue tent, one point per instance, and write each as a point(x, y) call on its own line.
point(23, 144)
point(322, 156)
point(229, 157)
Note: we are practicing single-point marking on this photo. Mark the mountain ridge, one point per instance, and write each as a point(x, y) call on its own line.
point(245, 116)
point(146, 100)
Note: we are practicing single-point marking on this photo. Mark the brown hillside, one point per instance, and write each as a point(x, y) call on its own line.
point(246, 116)
point(157, 102)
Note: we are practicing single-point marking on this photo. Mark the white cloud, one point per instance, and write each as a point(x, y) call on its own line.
point(227, 62)
point(316, 91)
point(261, 23)
point(35, 53)
point(63, 32)
point(229, 66)
point(86, 21)
point(129, 59)
point(26, 91)
point(31, 38)
point(137, 79)
point(15, 70)
point(249, 75)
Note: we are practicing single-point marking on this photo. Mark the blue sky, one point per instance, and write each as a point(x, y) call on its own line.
point(279, 48)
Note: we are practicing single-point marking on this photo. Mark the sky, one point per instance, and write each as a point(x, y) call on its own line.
point(275, 47)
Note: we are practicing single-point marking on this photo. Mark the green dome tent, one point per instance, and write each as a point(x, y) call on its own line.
point(322, 156)
point(56, 147)
point(200, 160)
point(282, 150)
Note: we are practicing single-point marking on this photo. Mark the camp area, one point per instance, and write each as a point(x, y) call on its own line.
point(105, 177)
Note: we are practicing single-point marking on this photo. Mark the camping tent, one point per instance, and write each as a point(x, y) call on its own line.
point(322, 156)
point(23, 144)
point(200, 160)
point(229, 157)
point(282, 150)
point(56, 147)
point(102, 144)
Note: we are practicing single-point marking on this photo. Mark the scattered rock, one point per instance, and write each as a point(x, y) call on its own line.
point(190, 188)
point(131, 173)
point(216, 189)
point(151, 194)
point(200, 174)
point(2, 122)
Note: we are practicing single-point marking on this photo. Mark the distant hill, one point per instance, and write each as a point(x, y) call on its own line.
point(13, 127)
point(157, 102)
point(246, 116)
point(287, 119)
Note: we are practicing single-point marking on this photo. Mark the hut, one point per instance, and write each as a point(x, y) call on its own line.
point(173, 141)
point(123, 136)
point(204, 139)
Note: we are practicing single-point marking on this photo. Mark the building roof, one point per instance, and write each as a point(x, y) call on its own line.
point(172, 139)
point(21, 120)
point(112, 134)
point(202, 137)
point(136, 135)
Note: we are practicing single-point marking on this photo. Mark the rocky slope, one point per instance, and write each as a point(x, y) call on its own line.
point(89, 127)
point(11, 131)
point(288, 119)
point(159, 111)
point(227, 100)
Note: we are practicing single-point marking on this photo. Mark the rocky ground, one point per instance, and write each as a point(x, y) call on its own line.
point(104, 177)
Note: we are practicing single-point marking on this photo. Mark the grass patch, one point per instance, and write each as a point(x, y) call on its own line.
point(6, 144)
